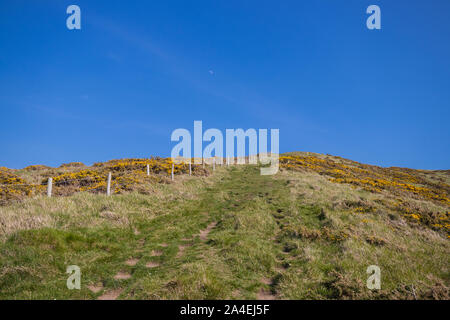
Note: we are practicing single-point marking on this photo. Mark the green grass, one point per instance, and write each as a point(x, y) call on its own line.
point(284, 234)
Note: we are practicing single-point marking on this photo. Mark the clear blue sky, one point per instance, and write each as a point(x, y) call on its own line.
point(137, 70)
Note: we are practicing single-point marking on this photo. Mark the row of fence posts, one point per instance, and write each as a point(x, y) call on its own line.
point(108, 185)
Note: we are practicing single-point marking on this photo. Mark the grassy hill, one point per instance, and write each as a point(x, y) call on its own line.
point(308, 232)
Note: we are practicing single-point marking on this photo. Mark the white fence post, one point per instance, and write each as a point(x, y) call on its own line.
point(172, 171)
point(190, 169)
point(108, 187)
point(49, 187)
point(148, 169)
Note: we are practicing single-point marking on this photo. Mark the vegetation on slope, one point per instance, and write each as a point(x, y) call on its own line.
point(300, 234)
point(127, 175)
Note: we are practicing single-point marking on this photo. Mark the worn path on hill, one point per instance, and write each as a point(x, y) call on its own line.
point(234, 252)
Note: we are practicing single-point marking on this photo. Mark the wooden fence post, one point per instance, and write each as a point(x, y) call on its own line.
point(214, 164)
point(190, 169)
point(108, 187)
point(49, 187)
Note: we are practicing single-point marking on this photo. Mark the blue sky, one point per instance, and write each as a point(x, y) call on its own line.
point(137, 70)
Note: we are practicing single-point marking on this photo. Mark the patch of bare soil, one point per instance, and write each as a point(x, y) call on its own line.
point(111, 295)
point(122, 276)
point(95, 288)
point(152, 264)
point(266, 294)
point(131, 262)
point(156, 253)
point(204, 233)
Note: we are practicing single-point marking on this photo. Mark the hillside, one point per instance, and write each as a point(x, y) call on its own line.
point(308, 232)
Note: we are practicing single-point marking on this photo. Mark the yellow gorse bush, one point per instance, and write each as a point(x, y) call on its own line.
point(402, 182)
point(371, 178)
point(12, 187)
point(127, 175)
